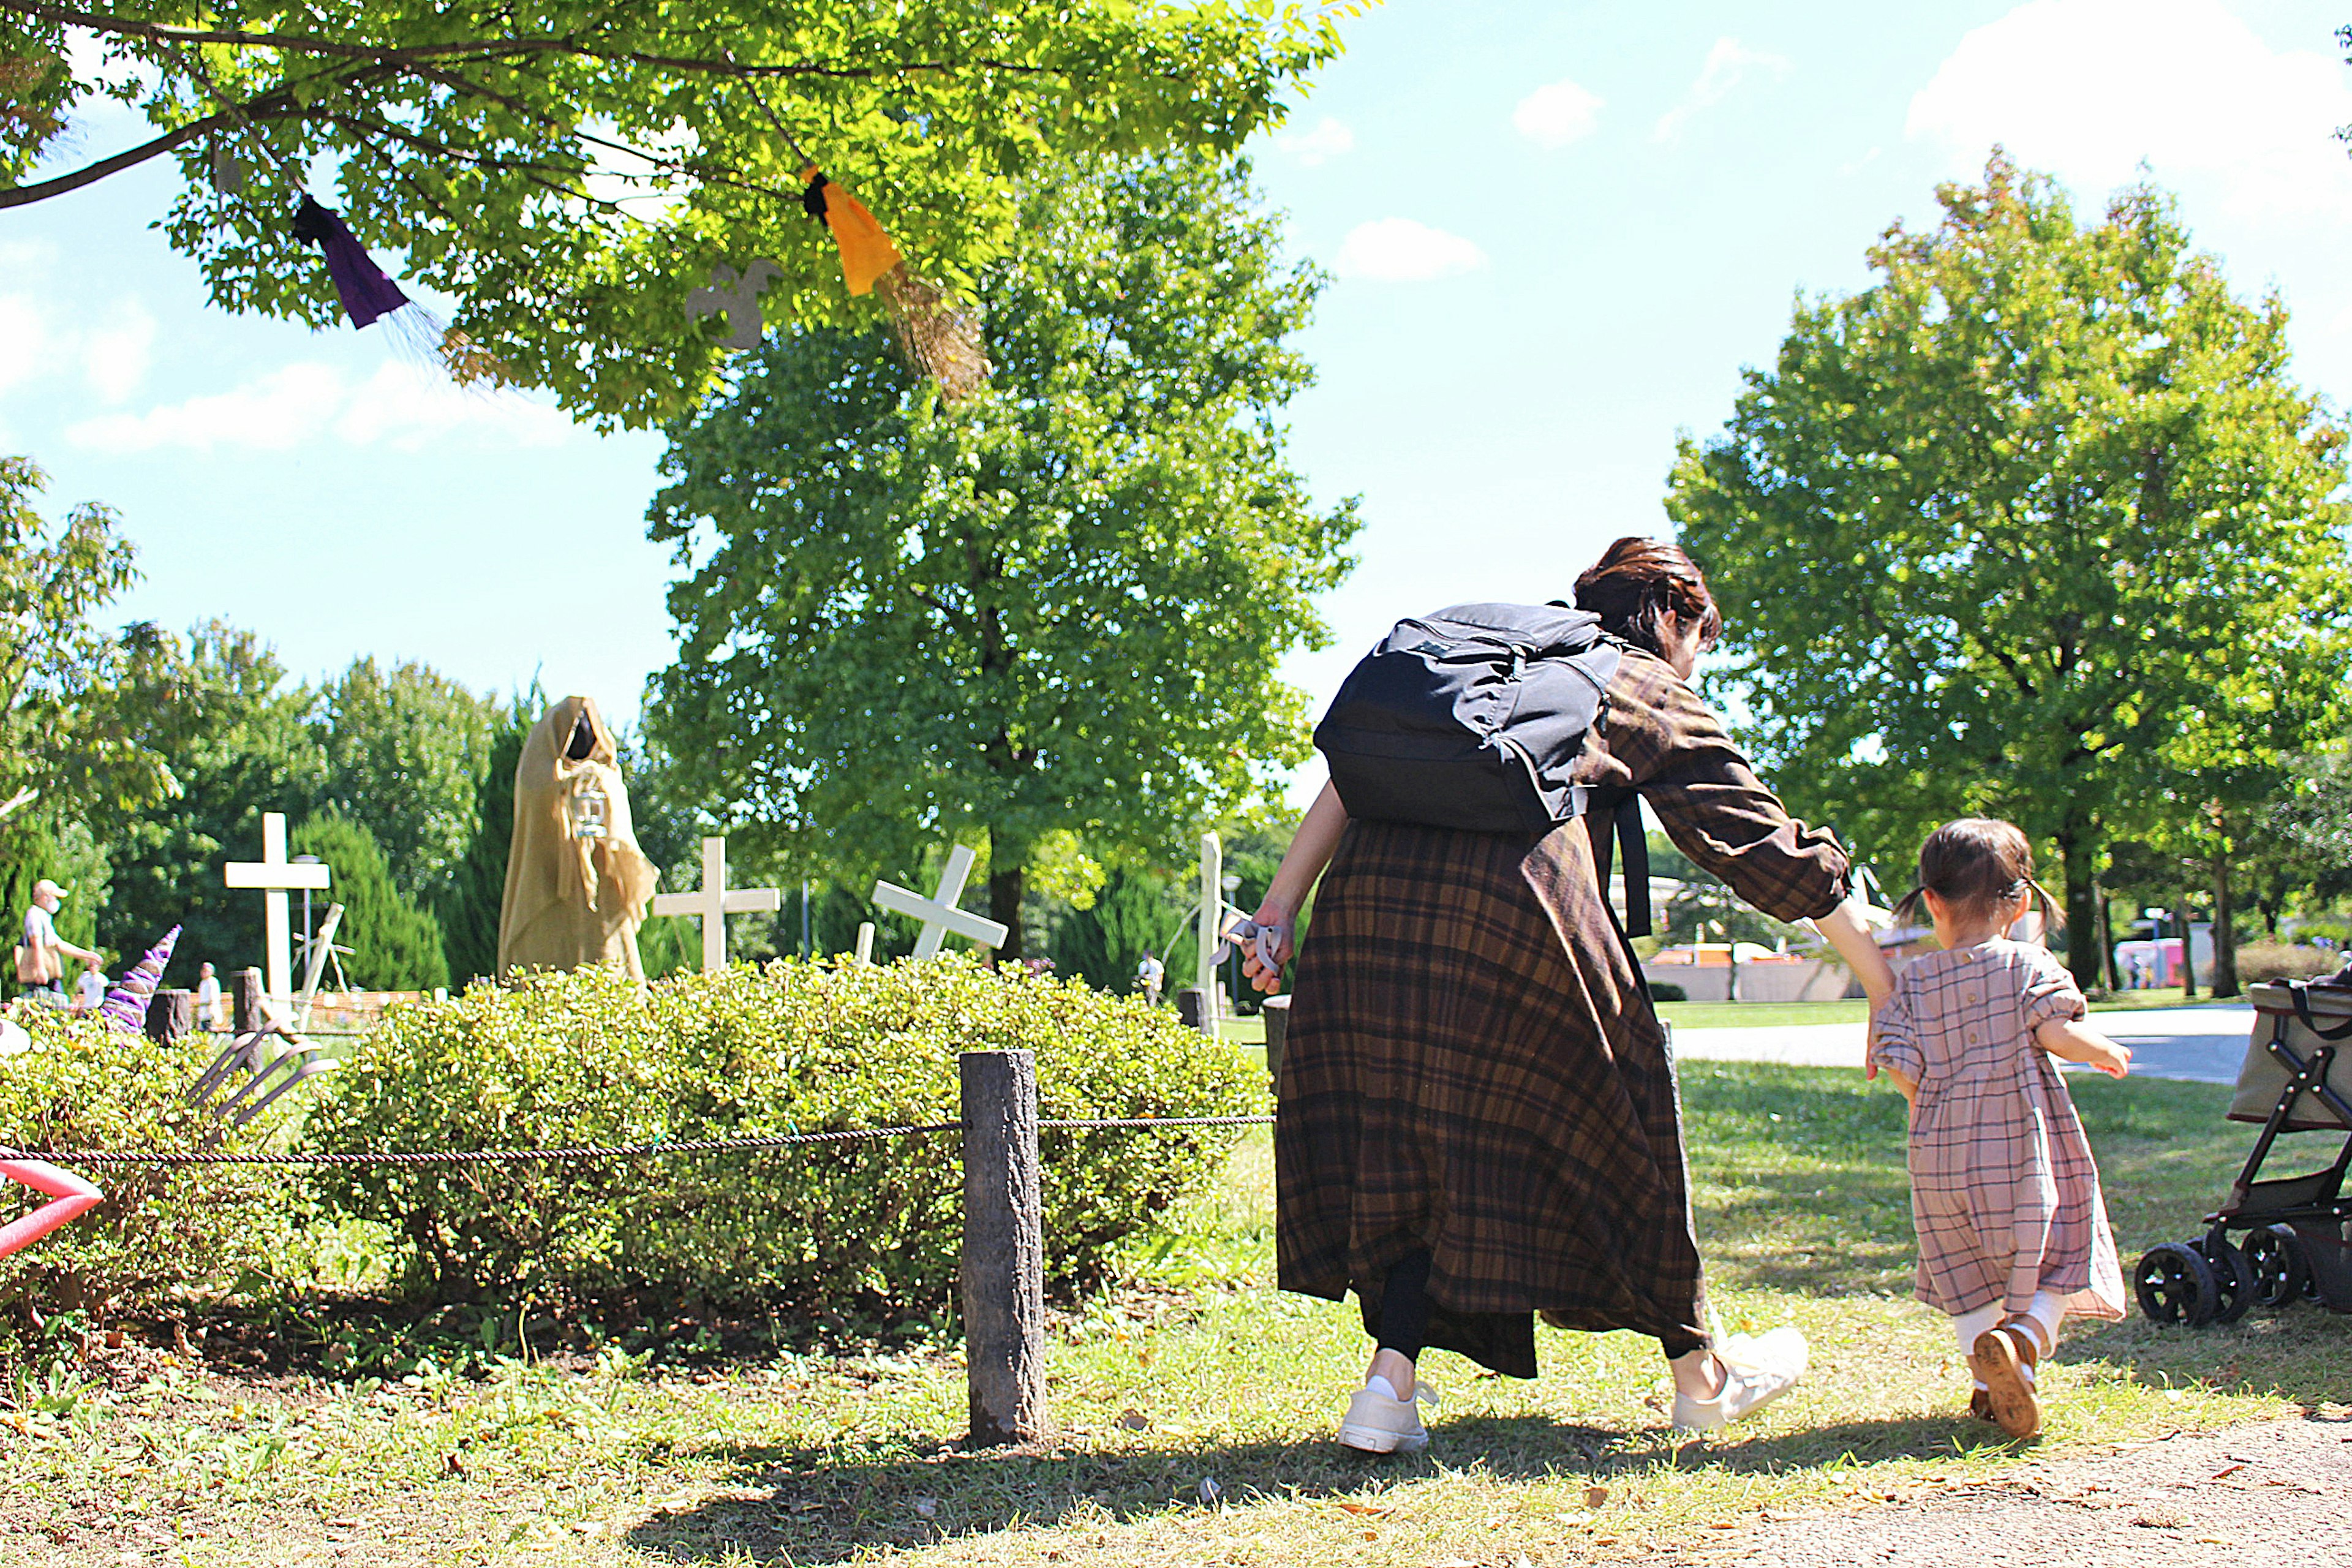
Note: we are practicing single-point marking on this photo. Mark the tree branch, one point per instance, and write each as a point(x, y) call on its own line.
point(24, 195)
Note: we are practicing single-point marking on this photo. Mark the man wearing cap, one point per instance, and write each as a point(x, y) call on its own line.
point(40, 962)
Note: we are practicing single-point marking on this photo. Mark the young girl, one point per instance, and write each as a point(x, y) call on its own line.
point(2012, 1228)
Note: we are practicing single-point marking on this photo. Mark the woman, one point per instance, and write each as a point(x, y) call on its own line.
point(1478, 1120)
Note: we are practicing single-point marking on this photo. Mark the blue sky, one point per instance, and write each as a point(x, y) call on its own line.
point(1560, 231)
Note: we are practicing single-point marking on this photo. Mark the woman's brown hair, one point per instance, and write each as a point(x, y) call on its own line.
point(1977, 865)
point(1637, 584)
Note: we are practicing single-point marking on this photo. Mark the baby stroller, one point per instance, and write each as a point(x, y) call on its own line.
point(2297, 1077)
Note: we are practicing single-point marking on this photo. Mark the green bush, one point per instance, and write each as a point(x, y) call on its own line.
point(164, 1231)
point(871, 1227)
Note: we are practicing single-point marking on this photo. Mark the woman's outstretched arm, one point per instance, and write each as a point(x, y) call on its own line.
point(1310, 850)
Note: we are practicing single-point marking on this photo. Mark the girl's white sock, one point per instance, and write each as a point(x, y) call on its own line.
point(2046, 1312)
point(1966, 1326)
point(1380, 1384)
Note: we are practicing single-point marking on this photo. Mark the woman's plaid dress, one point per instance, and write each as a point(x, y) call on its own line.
point(1474, 1064)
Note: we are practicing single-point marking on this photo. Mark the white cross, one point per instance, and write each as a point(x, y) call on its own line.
point(713, 902)
point(940, 914)
point(274, 874)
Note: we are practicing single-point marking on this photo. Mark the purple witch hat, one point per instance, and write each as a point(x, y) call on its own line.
point(359, 283)
point(125, 1007)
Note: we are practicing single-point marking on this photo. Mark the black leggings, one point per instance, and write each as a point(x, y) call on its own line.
point(1405, 1312)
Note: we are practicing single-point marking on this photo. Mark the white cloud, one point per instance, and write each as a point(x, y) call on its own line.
point(1319, 144)
point(115, 356)
point(1557, 115)
point(1399, 250)
point(2088, 89)
point(400, 407)
point(24, 340)
point(1728, 64)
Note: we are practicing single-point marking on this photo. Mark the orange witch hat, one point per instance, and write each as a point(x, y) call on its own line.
point(867, 252)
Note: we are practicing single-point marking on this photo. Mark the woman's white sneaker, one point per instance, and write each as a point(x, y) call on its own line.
point(1756, 1371)
point(1378, 1423)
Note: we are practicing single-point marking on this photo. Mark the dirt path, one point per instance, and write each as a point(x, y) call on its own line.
point(2275, 1492)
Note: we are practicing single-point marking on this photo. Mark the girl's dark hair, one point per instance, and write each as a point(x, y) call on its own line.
point(1977, 865)
point(1637, 584)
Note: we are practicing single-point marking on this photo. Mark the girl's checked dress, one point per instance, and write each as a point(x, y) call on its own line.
point(2004, 1193)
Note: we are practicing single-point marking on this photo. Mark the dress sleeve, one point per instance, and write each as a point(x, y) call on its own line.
point(2049, 991)
point(1895, 1041)
point(1674, 750)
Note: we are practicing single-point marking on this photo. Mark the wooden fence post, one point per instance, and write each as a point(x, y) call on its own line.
point(245, 1011)
point(171, 1015)
point(1003, 1247)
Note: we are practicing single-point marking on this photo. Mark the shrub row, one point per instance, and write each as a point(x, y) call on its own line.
point(164, 1233)
point(587, 1059)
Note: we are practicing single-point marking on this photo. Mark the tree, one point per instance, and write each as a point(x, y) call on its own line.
point(62, 737)
point(568, 172)
point(473, 897)
point(395, 945)
point(1995, 532)
point(219, 708)
point(1056, 606)
point(406, 754)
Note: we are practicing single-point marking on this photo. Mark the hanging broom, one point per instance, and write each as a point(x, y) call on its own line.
point(938, 334)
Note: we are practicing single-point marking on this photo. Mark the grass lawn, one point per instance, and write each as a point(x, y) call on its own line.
point(1199, 1373)
point(1761, 1014)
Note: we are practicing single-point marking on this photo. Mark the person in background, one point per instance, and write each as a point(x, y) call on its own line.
point(208, 1000)
point(89, 985)
point(40, 959)
point(1149, 976)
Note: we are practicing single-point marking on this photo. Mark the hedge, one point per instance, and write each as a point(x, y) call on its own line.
point(163, 1232)
point(590, 1058)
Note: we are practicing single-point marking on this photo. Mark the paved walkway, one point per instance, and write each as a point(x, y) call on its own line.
point(2202, 1045)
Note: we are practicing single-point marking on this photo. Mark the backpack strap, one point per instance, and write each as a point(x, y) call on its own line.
point(1623, 825)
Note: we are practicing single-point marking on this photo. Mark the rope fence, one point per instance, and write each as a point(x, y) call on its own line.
point(583, 1152)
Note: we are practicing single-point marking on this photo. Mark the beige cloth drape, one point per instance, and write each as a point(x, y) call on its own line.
point(571, 901)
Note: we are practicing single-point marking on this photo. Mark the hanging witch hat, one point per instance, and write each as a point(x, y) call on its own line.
point(125, 1007)
point(938, 334)
point(369, 295)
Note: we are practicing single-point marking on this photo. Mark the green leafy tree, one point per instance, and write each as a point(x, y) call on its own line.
point(63, 739)
point(569, 173)
point(219, 708)
point(474, 895)
point(395, 945)
point(1997, 532)
point(1054, 607)
point(407, 751)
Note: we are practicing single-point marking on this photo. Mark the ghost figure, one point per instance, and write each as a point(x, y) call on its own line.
point(577, 884)
point(737, 295)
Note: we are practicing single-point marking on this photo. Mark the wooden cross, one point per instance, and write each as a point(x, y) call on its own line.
point(940, 914)
point(274, 874)
point(714, 902)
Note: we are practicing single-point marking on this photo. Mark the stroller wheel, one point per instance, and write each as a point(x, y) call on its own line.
point(2233, 1277)
point(2281, 1273)
point(2175, 1285)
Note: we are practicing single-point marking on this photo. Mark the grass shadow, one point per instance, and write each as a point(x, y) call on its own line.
point(813, 1504)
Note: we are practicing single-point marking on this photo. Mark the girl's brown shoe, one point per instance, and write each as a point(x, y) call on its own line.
point(2004, 1360)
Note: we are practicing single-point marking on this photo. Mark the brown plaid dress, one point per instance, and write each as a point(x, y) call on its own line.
point(1474, 1066)
point(2004, 1194)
